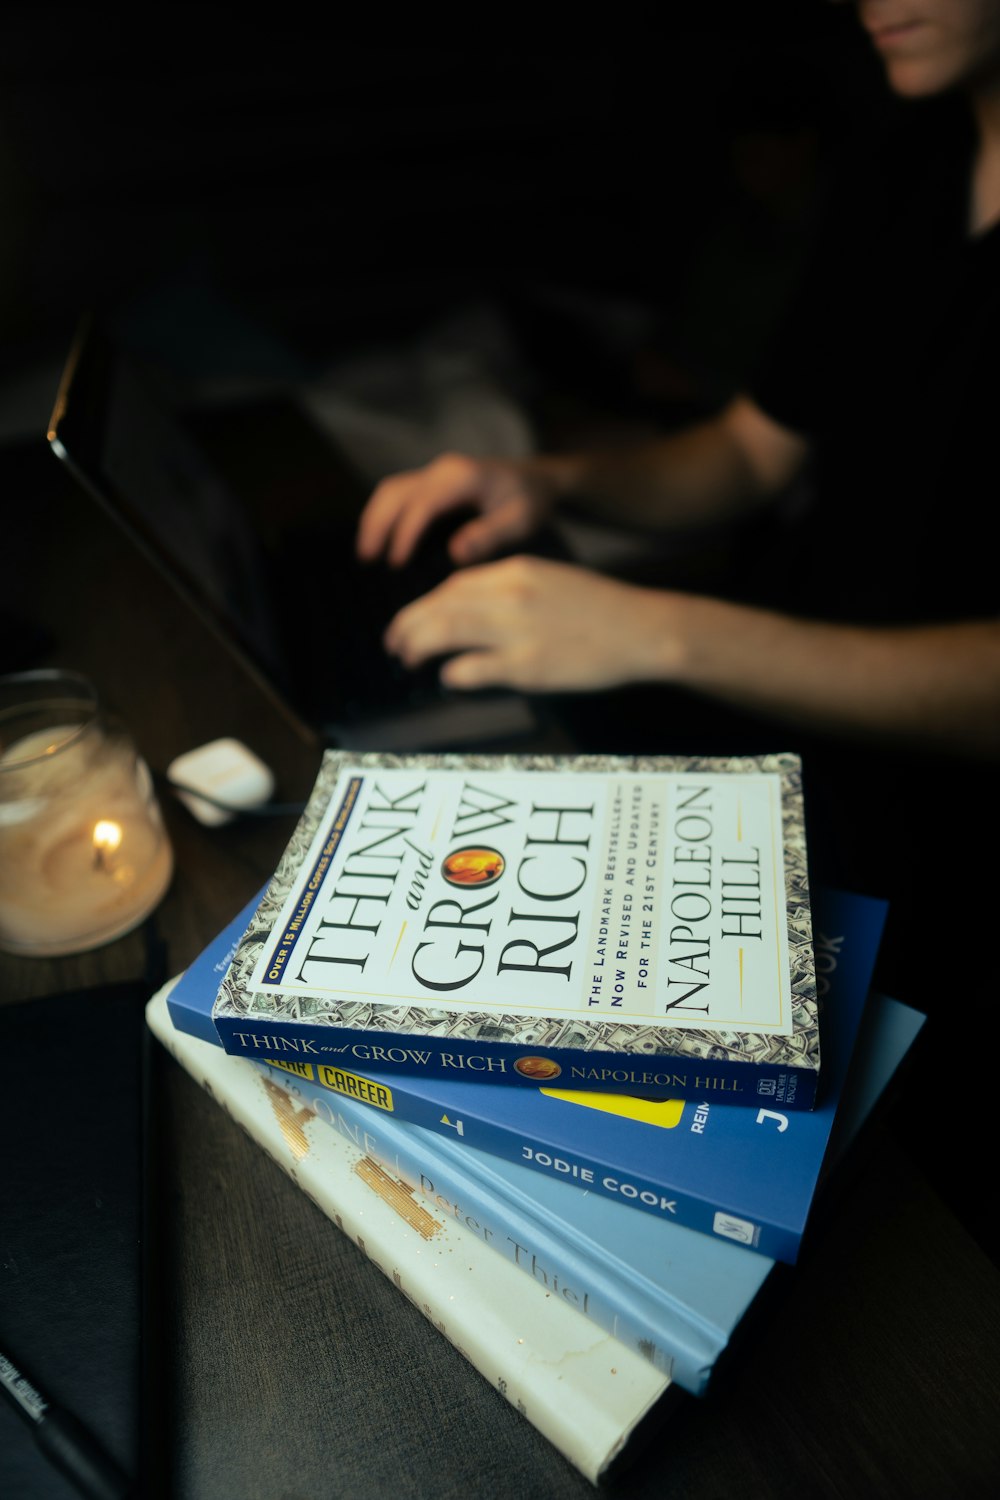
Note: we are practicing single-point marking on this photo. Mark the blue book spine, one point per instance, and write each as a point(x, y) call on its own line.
point(674, 1296)
point(746, 1175)
point(190, 1002)
point(498, 1202)
point(510, 1064)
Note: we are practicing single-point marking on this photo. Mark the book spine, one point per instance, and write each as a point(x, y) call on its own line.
point(583, 1391)
point(454, 1058)
point(645, 1319)
point(589, 1174)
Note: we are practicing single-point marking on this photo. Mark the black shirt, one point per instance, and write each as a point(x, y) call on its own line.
point(889, 361)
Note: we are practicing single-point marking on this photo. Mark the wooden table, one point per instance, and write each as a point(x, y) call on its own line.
point(875, 1371)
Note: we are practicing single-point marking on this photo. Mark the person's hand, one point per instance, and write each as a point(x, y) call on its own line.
point(538, 626)
point(512, 498)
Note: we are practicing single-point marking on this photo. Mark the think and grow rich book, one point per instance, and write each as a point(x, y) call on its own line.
point(743, 1175)
point(638, 925)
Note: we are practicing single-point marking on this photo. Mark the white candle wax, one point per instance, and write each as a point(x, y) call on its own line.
point(83, 853)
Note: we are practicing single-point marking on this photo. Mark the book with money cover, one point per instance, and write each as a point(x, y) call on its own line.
point(745, 1175)
point(638, 924)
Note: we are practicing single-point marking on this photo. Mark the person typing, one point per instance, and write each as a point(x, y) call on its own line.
point(884, 625)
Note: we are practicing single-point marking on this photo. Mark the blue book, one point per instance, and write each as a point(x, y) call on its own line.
point(672, 1295)
point(743, 1174)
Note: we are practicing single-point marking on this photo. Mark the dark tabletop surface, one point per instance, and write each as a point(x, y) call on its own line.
point(874, 1372)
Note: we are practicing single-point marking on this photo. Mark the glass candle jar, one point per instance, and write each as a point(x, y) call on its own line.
point(84, 856)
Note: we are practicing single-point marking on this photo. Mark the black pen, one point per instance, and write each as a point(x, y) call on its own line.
point(65, 1441)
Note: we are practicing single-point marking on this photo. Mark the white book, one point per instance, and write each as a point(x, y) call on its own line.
point(581, 1388)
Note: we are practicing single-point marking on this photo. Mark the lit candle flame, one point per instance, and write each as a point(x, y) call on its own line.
point(107, 837)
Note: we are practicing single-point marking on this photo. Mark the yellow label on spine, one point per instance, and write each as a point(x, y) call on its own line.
point(664, 1112)
point(355, 1087)
point(300, 1069)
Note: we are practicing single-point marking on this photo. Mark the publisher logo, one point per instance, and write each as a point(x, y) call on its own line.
point(733, 1228)
point(473, 865)
point(538, 1069)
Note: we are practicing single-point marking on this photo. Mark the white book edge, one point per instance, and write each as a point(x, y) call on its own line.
point(581, 1388)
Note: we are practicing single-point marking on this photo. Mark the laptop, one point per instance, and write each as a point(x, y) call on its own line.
point(274, 575)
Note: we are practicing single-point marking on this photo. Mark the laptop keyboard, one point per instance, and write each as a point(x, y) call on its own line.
point(337, 656)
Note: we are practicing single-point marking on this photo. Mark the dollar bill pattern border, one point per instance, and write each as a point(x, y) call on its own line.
point(800, 1049)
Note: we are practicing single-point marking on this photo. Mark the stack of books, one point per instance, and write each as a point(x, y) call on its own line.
point(565, 1044)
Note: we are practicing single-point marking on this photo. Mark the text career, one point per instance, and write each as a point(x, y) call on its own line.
point(535, 912)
